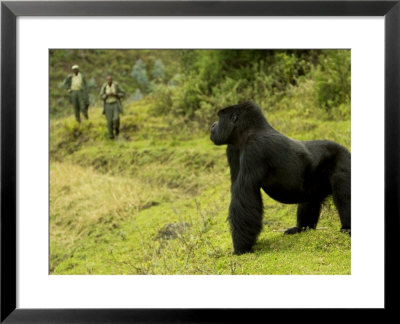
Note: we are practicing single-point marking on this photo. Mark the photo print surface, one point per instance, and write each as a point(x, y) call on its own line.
point(138, 187)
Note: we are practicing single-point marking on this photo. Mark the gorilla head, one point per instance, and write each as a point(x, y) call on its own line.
point(235, 123)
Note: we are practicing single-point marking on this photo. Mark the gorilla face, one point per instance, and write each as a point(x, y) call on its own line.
point(223, 130)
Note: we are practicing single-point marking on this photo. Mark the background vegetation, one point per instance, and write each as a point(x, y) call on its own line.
point(156, 201)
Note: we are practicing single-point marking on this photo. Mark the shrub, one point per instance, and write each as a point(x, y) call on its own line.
point(139, 74)
point(333, 79)
point(158, 71)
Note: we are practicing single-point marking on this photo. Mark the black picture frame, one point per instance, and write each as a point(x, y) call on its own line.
point(11, 10)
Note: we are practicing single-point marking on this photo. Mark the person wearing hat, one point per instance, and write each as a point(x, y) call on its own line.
point(111, 93)
point(78, 96)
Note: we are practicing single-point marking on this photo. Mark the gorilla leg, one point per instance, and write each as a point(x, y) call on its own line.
point(341, 189)
point(307, 217)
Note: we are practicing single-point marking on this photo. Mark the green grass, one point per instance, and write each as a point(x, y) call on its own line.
point(110, 201)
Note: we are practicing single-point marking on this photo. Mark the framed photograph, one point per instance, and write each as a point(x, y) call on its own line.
point(155, 155)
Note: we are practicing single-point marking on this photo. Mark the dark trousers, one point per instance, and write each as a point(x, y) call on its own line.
point(79, 104)
point(111, 111)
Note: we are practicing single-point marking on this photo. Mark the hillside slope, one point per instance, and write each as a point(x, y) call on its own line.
point(156, 201)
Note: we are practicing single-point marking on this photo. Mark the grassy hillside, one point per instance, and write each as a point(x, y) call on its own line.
point(156, 201)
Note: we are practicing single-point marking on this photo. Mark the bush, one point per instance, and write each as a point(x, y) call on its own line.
point(158, 71)
point(139, 74)
point(213, 79)
point(333, 79)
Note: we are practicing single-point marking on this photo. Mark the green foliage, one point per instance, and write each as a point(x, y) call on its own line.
point(158, 71)
point(214, 79)
point(139, 74)
point(333, 80)
point(163, 99)
point(195, 84)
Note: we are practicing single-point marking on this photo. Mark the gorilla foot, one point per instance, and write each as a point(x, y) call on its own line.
point(239, 251)
point(242, 252)
point(296, 229)
point(346, 231)
point(293, 230)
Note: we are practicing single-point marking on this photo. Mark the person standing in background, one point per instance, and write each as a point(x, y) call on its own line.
point(111, 93)
point(78, 96)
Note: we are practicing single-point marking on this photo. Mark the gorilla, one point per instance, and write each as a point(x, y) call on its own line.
point(289, 171)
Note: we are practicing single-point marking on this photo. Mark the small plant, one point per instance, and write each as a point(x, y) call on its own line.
point(158, 72)
point(139, 74)
point(333, 79)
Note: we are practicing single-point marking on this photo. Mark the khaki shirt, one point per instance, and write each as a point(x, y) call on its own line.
point(111, 89)
point(76, 82)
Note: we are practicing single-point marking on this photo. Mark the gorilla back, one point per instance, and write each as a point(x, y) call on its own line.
point(289, 171)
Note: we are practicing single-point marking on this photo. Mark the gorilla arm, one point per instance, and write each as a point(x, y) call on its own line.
point(233, 155)
point(246, 208)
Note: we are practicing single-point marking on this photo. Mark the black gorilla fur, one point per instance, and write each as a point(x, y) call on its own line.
point(289, 171)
